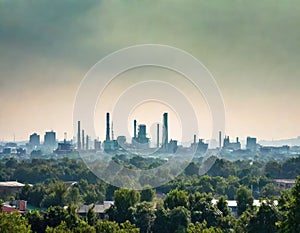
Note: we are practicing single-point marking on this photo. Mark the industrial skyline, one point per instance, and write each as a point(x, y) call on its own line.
point(140, 143)
point(141, 135)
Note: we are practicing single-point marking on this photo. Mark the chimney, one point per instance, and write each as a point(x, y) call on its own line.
point(112, 131)
point(165, 131)
point(220, 140)
point(87, 142)
point(107, 127)
point(22, 205)
point(157, 135)
point(237, 139)
point(78, 137)
point(82, 139)
point(134, 129)
point(194, 138)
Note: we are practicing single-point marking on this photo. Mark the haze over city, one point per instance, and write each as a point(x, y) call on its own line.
point(251, 49)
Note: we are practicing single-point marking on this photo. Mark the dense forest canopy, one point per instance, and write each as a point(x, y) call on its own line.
point(182, 205)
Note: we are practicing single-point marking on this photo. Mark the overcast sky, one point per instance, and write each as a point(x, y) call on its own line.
point(252, 48)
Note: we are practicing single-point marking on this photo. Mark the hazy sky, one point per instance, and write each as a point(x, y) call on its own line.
point(252, 48)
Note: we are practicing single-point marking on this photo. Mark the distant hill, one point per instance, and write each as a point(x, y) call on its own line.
point(288, 142)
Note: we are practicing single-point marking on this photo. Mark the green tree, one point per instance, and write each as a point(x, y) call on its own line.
point(232, 187)
point(242, 223)
point(54, 216)
point(124, 199)
point(61, 228)
point(56, 195)
point(205, 184)
point(161, 222)
point(73, 196)
point(222, 168)
point(223, 206)
point(36, 220)
point(192, 169)
point(91, 216)
point(72, 219)
point(147, 194)
point(13, 222)
point(113, 227)
point(264, 221)
point(292, 222)
point(144, 216)
point(107, 227)
point(270, 190)
point(244, 199)
point(127, 227)
point(83, 227)
point(176, 198)
point(24, 193)
point(36, 195)
point(202, 228)
point(180, 217)
point(11, 163)
point(201, 208)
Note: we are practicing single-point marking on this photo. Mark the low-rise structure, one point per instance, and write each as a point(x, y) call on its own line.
point(99, 210)
point(19, 206)
point(9, 187)
point(285, 183)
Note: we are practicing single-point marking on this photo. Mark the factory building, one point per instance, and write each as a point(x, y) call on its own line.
point(34, 140)
point(231, 145)
point(50, 139)
point(251, 144)
point(140, 139)
point(199, 147)
point(64, 147)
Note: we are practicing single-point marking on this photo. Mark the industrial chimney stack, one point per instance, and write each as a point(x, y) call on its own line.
point(82, 139)
point(220, 140)
point(107, 127)
point(87, 142)
point(157, 136)
point(165, 131)
point(78, 137)
point(134, 129)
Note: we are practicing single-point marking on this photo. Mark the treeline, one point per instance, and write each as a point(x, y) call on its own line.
point(60, 220)
point(38, 170)
point(223, 179)
point(58, 193)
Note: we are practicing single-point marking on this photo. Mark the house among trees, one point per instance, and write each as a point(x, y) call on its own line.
point(285, 183)
point(99, 210)
point(10, 187)
point(19, 206)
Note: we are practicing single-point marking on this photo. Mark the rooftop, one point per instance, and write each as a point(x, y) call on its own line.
point(286, 181)
point(11, 184)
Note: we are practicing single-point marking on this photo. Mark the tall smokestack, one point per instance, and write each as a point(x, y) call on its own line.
point(82, 139)
point(112, 131)
point(78, 137)
point(220, 140)
point(134, 128)
point(165, 131)
point(87, 142)
point(107, 127)
point(157, 135)
point(194, 138)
